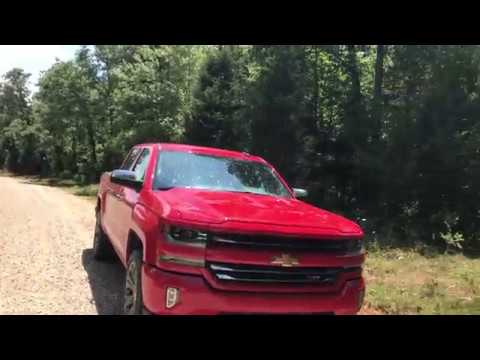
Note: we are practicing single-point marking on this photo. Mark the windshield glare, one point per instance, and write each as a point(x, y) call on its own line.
point(182, 169)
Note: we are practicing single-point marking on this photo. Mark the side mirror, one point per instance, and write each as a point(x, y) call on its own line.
point(126, 178)
point(300, 193)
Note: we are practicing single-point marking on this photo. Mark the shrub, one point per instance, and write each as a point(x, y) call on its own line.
point(65, 174)
point(453, 241)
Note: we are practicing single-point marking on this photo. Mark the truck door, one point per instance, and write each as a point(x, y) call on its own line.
point(113, 198)
point(127, 200)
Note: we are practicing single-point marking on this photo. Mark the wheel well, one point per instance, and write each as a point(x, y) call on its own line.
point(134, 243)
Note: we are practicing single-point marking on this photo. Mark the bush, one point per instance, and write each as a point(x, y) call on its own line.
point(453, 241)
point(81, 179)
point(65, 174)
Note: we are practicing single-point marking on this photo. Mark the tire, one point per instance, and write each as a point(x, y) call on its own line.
point(133, 299)
point(102, 248)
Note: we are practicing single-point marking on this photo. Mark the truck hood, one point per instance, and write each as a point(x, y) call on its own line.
point(216, 207)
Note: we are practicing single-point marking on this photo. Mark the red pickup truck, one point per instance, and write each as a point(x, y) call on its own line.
point(210, 231)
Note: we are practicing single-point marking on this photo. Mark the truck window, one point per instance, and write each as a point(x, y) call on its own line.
point(141, 165)
point(130, 159)
point(189, 170)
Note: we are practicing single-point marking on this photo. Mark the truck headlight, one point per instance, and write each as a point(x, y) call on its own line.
point(185, 236)
point(355, 246)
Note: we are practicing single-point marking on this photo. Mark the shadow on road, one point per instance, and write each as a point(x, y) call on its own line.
point(106, 282)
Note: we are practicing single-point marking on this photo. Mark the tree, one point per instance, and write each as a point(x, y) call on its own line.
point(277, 105)
point(217, 104)
point(17, 141)
point(377, 90)
point(148, 98)
point(67, 104)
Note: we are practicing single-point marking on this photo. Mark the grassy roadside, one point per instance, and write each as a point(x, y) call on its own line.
point(405, 282)
point(88, 191)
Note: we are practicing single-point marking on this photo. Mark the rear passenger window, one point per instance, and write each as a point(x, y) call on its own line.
point(141, 166)
point(130, 159)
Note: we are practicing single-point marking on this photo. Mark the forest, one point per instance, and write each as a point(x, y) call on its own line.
point(388, 135)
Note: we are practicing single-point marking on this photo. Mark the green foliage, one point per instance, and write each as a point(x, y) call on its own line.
point(148, 97)
point(389, 134)
point(217, 107)
point(277, 105)
point(19, 134)
point(453, 240)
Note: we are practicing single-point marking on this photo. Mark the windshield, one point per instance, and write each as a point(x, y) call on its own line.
point(182, 169)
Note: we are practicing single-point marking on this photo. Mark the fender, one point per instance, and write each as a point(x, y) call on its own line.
point(101, 195)
point(145, 224)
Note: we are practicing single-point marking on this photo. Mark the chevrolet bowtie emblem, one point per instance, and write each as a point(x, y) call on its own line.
point(285, 260)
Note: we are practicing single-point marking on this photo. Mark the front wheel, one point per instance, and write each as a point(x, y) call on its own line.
point(133, 301)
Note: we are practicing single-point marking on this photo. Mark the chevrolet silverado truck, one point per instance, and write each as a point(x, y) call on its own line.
point(209, 231)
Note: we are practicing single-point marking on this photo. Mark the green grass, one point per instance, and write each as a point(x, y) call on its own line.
point(85, 190)
point(406, 282)
point(89, 191)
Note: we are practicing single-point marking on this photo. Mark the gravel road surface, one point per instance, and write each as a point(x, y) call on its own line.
point(46, 262)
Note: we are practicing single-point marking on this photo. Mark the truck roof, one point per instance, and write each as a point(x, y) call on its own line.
point(206, 150)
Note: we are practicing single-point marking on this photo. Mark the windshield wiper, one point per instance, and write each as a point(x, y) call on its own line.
point(251, 192)
point(165, 188)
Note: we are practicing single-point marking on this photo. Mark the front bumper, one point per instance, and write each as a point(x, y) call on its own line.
point(198, 298)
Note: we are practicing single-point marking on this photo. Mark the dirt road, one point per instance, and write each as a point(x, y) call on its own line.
point(46, 263)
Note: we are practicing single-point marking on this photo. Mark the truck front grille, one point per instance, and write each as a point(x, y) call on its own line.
point(270, 274)
point(336, 246)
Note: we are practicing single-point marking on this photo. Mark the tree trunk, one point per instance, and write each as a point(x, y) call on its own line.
point(92, 144)
point(109, 97)
point(355, 113)
point(377, 90)
point(74, 152)
point(316, 90)
point(354, 73)
point(59, 158)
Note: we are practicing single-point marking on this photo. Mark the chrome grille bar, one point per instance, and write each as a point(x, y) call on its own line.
point(268, 274)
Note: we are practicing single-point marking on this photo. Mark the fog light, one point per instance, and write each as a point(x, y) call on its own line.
point(172, 297)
